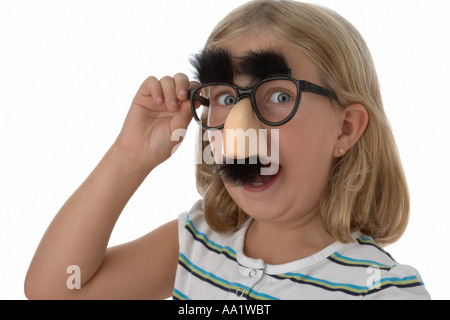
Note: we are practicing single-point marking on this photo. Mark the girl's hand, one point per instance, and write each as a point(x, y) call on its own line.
point(159, 108)
point(82, 228)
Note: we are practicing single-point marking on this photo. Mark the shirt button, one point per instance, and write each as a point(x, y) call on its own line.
point(252, 273)
point(240, 292)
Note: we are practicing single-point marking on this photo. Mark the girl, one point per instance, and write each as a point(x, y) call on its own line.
point(311, 229)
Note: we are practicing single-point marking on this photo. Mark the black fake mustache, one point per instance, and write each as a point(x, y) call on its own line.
point(239, 172)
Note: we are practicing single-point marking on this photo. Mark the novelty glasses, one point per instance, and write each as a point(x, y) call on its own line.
point(275, 100)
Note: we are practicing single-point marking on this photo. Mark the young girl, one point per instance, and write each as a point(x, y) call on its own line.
point(311, 229)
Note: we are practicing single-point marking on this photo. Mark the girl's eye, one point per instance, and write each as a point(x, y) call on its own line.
point(226, 100)
point(280, 97)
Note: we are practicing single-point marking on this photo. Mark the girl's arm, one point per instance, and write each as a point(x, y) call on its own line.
point(79, 234)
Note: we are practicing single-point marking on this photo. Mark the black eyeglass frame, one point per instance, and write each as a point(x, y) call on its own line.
point(302, 86)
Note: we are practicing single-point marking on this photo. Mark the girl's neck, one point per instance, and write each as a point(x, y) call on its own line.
point(279, 243)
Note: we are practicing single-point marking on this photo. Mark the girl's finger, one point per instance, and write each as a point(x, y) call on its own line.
point(150, 88)
point(170, 96)
point(181, 86)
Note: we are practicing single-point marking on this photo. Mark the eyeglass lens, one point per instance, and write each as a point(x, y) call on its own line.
point(274, 100)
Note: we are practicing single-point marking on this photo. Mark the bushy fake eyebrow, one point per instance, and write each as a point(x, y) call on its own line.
point(213, 65)
point(216, 65)
point(261, 64)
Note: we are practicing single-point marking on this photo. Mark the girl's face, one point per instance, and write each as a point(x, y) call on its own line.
point(307, 144)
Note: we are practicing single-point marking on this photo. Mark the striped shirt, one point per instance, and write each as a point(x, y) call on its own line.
point(214, 266)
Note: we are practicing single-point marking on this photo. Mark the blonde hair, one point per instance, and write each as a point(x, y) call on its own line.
point(367, 189)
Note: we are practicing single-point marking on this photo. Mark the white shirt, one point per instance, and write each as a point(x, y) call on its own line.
point(214, 266)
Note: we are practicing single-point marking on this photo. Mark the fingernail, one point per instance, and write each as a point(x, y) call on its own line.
point(173, 104)
point(182, 92)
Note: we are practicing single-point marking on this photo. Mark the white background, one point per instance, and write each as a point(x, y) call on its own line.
point(68, 72)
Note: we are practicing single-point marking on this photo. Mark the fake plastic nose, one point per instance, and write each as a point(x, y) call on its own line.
point(243, 136)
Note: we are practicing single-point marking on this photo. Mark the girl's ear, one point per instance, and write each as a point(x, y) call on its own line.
point(354, 120)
